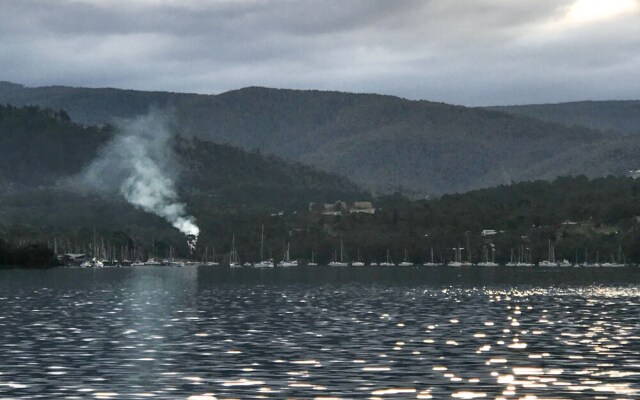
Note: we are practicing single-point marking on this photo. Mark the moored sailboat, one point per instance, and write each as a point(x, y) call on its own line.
point(406, 262)
point(457, 257)
point(486, 261)
point(313, 262)
point(234, 262)
point(359, 262)
point(431, 262)
point(551, 261)
point(286, 260)
point(334, 262)
point(263, 263)
point(388, 262)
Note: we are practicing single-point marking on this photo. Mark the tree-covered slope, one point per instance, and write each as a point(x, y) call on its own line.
point(43, 154)
point(37, 147)
point(383, 143)
point(617, 116)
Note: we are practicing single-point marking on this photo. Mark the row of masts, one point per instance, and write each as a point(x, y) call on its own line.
point(100, 251)
point(522, 255)
point(519, 256)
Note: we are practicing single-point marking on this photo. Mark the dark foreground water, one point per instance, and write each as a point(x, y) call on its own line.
point(199, 333)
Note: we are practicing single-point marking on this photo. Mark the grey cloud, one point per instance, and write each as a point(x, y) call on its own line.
point(466, 52)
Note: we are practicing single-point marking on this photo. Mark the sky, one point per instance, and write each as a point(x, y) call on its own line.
point(469, 52)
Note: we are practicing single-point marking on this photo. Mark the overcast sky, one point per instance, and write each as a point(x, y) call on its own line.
point(472, 52)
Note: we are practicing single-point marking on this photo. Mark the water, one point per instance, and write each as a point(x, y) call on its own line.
point(202, 333)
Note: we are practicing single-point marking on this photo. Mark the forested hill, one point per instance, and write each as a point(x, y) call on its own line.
point(42, 152)
point(382, 143)
point(615, 116)
point(90, 106)
point(37, 147)
point(40, 148)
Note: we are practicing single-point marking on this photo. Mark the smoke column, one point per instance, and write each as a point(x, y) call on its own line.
point(138, 163)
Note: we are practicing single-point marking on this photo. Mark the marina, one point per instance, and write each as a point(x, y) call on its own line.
point(103, 256)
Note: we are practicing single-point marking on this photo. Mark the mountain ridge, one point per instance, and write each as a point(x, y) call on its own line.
point(622, 116)
point(383, 143)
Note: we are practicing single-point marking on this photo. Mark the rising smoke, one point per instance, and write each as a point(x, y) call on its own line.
point(138, 163)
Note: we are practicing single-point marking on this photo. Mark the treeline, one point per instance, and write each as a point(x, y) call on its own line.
point(38, 146)
point(28, 255)
point(234, 192)
point(583, 218)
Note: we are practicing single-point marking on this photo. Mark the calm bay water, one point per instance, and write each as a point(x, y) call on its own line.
point(205, 333)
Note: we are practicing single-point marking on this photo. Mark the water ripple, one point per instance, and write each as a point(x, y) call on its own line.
point(182, 333)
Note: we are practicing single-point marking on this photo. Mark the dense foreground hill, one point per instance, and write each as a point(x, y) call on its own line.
point(383, 143)
point(43, 148)
point(585, 219)
point(44, 158)
point(616, 116)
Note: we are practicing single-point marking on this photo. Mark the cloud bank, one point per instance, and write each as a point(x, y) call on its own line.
point(472, 52)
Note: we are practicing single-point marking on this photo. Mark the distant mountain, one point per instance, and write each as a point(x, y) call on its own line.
point(90, 106)
point(617, 116)
point(382, 143)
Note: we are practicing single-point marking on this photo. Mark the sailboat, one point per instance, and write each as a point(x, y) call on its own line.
point(595, 264)
point(172, 262)
point(486, 262)
point(406, 262)
point(524, 257)
point(565, 263)
point(341, 263)
point(512, 262)
point(263, 263)
point(613, 263)
point(358, 263)
point(457, 257)
point(388, 262)
point(234, 262)
point(586, 258)
point(286, 260)
point(94, 262)
point(551, 262)
point(313, 262)
point(205, 261)
point(432, 262)
point(467, 263)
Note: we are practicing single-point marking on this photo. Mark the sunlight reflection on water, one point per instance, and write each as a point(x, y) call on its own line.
point(180, 333)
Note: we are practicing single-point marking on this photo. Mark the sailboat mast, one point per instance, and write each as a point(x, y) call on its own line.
point(233, 248)
point(468, 249)
point(262, 243)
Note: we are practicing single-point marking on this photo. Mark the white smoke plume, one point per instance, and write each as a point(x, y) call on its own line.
point(138, 163)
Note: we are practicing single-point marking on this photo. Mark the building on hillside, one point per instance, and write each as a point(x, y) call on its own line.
point(341, 207)
point(362, 207)
point(336, 208)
